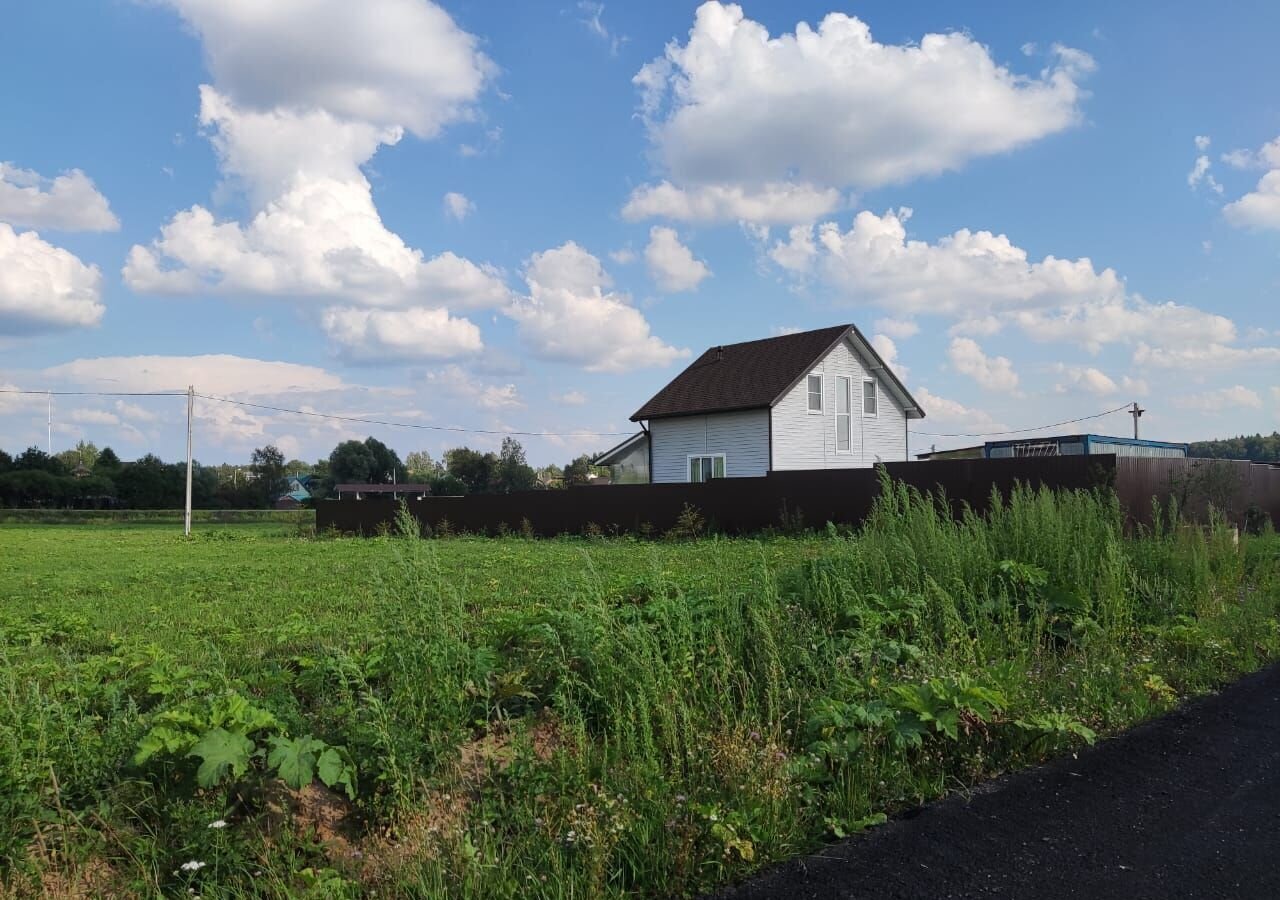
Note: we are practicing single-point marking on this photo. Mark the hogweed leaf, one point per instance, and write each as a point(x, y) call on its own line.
point(294, 759)
point(221, 751)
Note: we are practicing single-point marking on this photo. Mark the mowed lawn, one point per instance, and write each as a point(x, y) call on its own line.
point(148, 582)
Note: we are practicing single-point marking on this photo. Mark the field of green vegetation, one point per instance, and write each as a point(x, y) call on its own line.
point(253, 713)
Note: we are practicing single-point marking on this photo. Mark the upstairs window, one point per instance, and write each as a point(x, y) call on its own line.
point(843, 389)
point(706, 467)
point(870, 403)
point(815, 393)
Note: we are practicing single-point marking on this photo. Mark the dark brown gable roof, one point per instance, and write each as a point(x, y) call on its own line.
point(756, 374)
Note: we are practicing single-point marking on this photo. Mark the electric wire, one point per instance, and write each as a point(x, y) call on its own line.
point(458, 429)
point(1023, 430)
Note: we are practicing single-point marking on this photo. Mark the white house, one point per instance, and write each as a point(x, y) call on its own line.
point(814, 400)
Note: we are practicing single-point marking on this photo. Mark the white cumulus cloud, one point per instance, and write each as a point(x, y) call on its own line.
point(985, 281)
point(69, 202)
point(571, 315)
point(1234, 397)
point(1086, 378)
point(994, 373)
point(458, 206)
point(304, 94)
point(44, 288)
point(831, 107)
point(671, 264)
point(1260, 208)
point(212, 374)
point(399, 335)
point(897, 328)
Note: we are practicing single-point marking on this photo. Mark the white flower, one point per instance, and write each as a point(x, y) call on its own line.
point(220, 823)
point(192, 866)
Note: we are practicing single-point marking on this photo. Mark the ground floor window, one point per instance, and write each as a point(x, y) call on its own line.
point(706, 467)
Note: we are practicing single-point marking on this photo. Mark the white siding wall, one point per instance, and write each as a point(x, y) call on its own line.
point(743, 437)
point(804, 440)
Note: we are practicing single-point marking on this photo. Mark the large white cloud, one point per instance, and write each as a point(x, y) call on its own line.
point(995, 373)
point(43, 287)
point(570, 315)
point(832, 107)
point(985, 281)
point(69, 202)
point(1205, 356)
point(211, 374)
point(382, 335)
point(1222, 399)
point(946, 411)
point(391, 62)
point(671, 264)
point(305, 93)
point(769, 204)
point(1260, 208)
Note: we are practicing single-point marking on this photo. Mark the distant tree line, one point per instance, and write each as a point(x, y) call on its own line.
point(1257, 447)
point(89, 478)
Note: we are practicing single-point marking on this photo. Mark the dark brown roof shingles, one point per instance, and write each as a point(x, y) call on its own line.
point(741, 376)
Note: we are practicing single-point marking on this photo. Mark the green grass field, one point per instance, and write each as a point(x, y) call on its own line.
point(250, 713)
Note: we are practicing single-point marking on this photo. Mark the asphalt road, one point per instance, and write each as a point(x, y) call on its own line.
point(1185, 806)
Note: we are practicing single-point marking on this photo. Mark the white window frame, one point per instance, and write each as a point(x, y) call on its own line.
point(822, 395)
point(847, 383)
point(688, 466)
point(875, 398)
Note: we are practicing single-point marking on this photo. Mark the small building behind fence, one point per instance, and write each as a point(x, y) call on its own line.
point(1083, 445)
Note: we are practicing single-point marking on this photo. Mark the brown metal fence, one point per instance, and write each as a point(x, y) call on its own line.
point(730, 505)
point(1246, 493)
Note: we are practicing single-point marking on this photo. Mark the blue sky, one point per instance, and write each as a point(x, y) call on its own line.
point(527, 216)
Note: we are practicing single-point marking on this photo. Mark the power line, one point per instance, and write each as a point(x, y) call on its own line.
point(416, 425)
point(96, 393)
point(319, 415)
point(1024, 430)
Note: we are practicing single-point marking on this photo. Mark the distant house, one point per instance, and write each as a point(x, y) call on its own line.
point(1062, 445)
point(298, 493)
point(382, 491)
point(814, 400)
point(1082, 445)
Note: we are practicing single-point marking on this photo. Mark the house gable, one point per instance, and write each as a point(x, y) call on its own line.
point(807, 439)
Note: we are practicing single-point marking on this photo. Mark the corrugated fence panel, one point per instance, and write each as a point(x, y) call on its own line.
point(1241, 490)
point(731, 505)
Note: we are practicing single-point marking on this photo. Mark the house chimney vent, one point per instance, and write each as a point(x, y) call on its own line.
point(720, 353)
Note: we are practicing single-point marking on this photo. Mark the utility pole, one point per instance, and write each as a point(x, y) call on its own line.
point(1136, 412)
point(191, 400)
point(49, 445)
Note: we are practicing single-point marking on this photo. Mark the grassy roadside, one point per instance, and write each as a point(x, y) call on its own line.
point(112, 517)
point(571, 718)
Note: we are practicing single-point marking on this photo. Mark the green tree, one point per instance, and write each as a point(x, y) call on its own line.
point(578, 471)
point(6, 462)
point(33, 459)
point(474, 469)
point(85, 453)
point(297, 467)
point(351, 462)
point(421, 466)
point(269, 482)
point(446, 485)
point(386, 466)
point(513, 472)
point(107, 462)
point(151, 484)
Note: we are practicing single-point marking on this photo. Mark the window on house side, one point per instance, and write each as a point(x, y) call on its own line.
point(704, 468)
point(844, 387)
point(870, 402)
point(815, 393)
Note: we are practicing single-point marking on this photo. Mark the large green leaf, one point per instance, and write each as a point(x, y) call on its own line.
point(294, 759)
point(221, 751)
point(162, 739)
point(334, 770)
